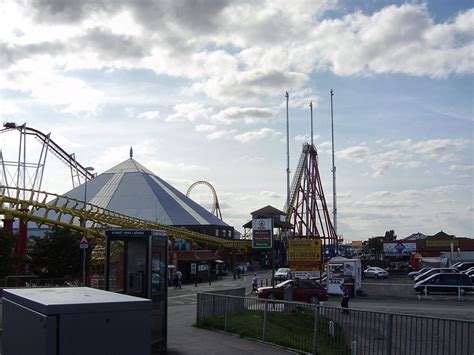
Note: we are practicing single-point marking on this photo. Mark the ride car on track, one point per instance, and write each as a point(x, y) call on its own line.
point(444, 283)
point(375, 272)
point(302, 291)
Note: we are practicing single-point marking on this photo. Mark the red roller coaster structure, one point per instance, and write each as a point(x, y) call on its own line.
point(216, 210)
point(307, 209)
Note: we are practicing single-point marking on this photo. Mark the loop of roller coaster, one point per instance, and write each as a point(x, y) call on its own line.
point(216, 210)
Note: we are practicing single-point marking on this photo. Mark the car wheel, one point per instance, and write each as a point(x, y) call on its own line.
point(376, 276)
point(314, 300)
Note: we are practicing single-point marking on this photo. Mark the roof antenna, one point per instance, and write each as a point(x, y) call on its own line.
point(131, 152)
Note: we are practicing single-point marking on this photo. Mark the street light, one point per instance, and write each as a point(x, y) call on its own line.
point(89, 168)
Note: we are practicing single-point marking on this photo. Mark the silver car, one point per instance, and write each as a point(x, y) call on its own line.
point(375, 272)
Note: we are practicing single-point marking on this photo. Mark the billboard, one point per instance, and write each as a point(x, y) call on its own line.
point(262, 233)
point(398, 248)
point(304, 254)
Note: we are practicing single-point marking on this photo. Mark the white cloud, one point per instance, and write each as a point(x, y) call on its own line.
point(248, 115)
point(221, 134)
point(205, 128)
point(358, 154)
point(189, 112)
point(257, 135)
point(150, 115)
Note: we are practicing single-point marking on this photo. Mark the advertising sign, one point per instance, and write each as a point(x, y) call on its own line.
point(304, 254)
point(262, 233)
point(398, 248)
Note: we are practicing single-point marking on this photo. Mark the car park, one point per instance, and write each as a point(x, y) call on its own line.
point(282, 274)
point(444, 282)
point(302, 291)
point(414, 274)
point(375, 272)
point(445, 270)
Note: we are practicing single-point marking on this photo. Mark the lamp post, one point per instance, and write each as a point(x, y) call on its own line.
point(89, 168)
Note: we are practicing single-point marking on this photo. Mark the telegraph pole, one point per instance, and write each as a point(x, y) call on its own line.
point(333, 172)
point(311, 109)
point(287, 154)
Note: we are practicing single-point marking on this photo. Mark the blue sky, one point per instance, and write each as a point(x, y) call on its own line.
point(197, 89)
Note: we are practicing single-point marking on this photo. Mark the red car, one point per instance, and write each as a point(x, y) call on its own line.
point(303, 291)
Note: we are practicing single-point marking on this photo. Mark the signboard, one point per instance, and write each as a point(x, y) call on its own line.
point(398, 248)
point(193, 268)
point(441, 243)
point(304, 254)
point(262, 233)
point(357, 244)
point(84, 244)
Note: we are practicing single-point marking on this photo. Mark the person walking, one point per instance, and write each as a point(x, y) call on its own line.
point(345, 299)
point(254, 283)
point(179, 276)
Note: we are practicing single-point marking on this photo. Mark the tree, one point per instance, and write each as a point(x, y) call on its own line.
point(390, 235)
point(8, 262)
point(56, 255)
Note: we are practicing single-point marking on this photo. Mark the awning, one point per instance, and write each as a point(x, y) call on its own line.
point(196, 255)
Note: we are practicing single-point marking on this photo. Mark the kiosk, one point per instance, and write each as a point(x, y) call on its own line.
point(344, 271)
point(136, 264)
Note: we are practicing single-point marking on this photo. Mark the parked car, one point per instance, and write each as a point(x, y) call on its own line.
point(464, 265)
point(414, 274)
point(282, 274)
point(468, 272)
point(302, 291)
point(375, 272)
point(444, 282)
point(442, 270)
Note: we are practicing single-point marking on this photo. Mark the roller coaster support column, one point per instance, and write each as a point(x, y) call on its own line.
point(8, 223)
point(20, 248)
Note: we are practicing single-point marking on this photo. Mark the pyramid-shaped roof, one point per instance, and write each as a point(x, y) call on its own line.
point(131, 189)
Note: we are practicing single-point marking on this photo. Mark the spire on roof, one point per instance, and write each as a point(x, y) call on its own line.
point(131, 152)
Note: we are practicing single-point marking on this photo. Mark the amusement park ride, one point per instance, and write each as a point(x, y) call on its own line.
point(21, 198)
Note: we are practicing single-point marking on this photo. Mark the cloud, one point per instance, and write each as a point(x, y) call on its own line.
point(221, 134)
point(205, 128)
point(110, 46)
point(189, 112)
point(248, 115)
point(150, 115)
point(358, 154)
point(257, 135)
point(250, 85)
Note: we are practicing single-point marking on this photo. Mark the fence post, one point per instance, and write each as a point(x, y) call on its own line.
point(198, 307)
point(459, 293)
point(225, 313)
point(388, 327)
point(315, 330)
point(265, 324)
point(353, 347)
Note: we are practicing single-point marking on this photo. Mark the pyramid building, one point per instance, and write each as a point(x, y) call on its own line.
point(131, 189)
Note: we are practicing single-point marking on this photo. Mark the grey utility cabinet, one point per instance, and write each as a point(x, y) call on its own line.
point(74, 320)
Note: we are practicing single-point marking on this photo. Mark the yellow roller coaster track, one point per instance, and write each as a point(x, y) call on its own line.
point(44, 208)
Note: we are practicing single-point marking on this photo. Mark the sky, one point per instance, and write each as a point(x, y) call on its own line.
point(197, 88)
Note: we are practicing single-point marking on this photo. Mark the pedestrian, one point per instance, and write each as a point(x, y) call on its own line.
point(175, 280)
point(179, 276)
point(345, 299)
point(254, 283)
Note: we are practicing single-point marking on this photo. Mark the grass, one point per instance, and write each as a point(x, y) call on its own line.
point(292, 329)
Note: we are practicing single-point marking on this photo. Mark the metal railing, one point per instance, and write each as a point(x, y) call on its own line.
point(319, 329)
point(459, 290)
